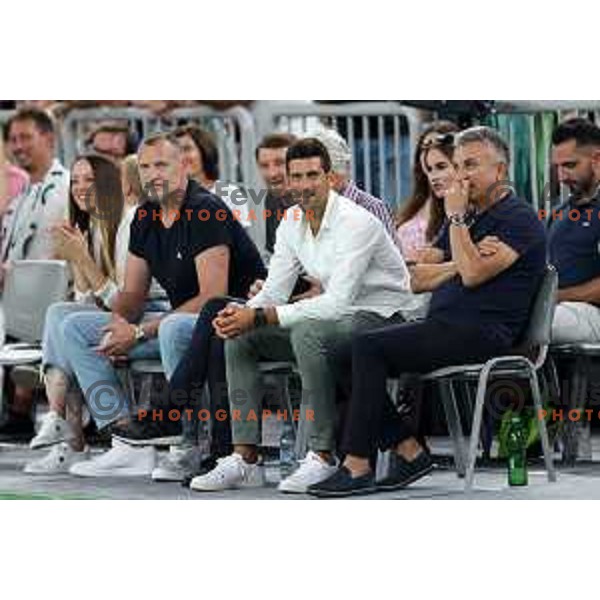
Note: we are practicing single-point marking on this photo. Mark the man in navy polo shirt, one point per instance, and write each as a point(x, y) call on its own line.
point(494, 257)
point(574, 237)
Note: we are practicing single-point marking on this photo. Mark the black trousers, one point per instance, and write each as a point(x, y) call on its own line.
point(373, 422)
point(204, 362)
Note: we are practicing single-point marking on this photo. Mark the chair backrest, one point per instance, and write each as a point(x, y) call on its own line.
point(539, 329)
point(31, 286)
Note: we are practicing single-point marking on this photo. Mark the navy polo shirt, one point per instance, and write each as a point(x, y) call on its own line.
point(500, 306)
point(205, 222)
point(574, 244)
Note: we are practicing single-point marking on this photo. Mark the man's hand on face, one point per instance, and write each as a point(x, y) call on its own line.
point(457, 199)
point(119, 338)
point(233, 320)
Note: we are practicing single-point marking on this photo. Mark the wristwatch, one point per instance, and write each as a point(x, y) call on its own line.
point(260, 317)
point(140, 334)
point(458, 219)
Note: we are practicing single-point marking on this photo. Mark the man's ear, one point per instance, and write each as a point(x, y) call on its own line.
point(596, 162)
point(333, 179)
point(50, 139)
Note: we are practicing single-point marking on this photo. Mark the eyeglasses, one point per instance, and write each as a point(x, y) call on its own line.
point(442, 139)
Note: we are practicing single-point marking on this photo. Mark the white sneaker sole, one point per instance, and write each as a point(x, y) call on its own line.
point(199, 487)
point(287, 488)
point(64, 471)
point(122, 472)
point(160, 475)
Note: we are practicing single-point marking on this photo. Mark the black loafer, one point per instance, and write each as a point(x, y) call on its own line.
point(402, 473)
point(341, 484)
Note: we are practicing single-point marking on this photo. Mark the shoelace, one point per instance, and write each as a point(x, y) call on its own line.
point(221, 471)
point(55, 453)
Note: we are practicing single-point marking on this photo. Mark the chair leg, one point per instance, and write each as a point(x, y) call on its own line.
point(145, 390)
point(301, 439)
point(570, 427)
point(300, 428)
point(454, 425)
point(537, 404)
point(287, 401)
point(131, 387)
point(476, 429)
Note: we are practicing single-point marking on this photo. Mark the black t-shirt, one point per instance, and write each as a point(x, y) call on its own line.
point(501, 306)
point(204, 222)
point(574, 242)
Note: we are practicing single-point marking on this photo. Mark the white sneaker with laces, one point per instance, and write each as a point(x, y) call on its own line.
point(231, 472)
point(178, 463)
point(122, 460)
point(311, 469)
point(54, 430)
point(59, 460)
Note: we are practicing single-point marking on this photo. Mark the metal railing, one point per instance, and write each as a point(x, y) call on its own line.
point(233, 130)
point(547, 194)
point(381, 137)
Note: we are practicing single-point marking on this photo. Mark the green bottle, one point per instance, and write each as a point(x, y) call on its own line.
point(517, 457)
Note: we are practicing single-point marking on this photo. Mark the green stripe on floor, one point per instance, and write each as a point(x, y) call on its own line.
point(38, 496)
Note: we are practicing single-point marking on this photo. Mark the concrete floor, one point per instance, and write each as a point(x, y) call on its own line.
point(579, 482)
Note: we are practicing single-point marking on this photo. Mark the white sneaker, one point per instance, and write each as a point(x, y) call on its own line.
point(180, 462)
point(54, 429)
point(122, 460)
point(312, 469)
point(59, 460)
point(231, 472)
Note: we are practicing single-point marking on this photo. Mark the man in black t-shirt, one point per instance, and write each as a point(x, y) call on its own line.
point(481, 299)
point(187, 240)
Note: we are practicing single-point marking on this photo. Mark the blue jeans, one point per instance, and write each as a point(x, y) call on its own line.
point(104, 395)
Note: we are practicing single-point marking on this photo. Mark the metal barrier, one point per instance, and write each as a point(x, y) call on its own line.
point(5, 115)
point(381, 136)
point(544, 190)
point(233, 130)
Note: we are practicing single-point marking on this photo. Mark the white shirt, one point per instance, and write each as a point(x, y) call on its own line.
point(358, 265)
point(122, 243)
point(110, 290)
point(236, 200)
point(25, 225)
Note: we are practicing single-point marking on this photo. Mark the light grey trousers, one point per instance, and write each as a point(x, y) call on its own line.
point(307, 345)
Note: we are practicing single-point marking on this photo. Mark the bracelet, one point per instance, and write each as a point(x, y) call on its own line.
point(140, 334)
point(260, 317)
point(107, 292)
point(457, 220)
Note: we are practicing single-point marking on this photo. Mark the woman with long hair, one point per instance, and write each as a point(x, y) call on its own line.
point(95, 246)
point(421, 217)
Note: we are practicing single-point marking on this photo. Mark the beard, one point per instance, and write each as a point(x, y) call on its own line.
point(584, 187)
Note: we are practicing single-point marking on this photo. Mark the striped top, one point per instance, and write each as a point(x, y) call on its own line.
point(375, 206)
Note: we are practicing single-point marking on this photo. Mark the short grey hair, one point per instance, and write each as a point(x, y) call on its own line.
point(337, 148)
point(485, 135)
point(162, 136)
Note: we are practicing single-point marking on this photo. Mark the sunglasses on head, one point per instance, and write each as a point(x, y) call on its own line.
point(442, 139)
